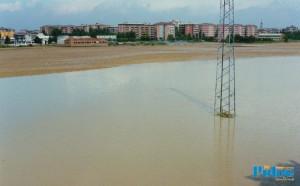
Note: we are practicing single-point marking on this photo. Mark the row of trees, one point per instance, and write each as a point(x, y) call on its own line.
point(125, 37)
point(131, 36)
point(199, 37)
point(250, 39)
point(202, 37)
point(245, 39)
point(189, 37)
point(79, 32)
point(292, 35)
point(121, 37)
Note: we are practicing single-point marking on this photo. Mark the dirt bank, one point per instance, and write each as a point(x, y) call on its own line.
point(43, 60)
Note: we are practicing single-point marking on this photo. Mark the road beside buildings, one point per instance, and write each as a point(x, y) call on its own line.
point(44, 60)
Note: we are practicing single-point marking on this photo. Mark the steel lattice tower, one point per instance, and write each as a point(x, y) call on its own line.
point(225, 78)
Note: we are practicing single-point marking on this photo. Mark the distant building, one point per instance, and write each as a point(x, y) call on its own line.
point(141, 30)
point(44, 38)
point(65, 29)
point(97, 26)
point(251, 30)
point(85, 28)
point(47, 29)
point(223, 30)
point(107, 37)
point(188, 29)
point(270, 36)
point(85, 42)
point(26, 37)
point(291, 29)
point(61, 39)
point(269, 30)
point(6, 32)
point(164, 30)
point(240, 30)
point(113, 29)
point(68, 29)
point(192, 30)
point(181, 29)
point(196, 31)
point(208, 29)
point(23, 38)
point(261, 25)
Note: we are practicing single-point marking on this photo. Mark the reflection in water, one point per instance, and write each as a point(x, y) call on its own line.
point(224, 136)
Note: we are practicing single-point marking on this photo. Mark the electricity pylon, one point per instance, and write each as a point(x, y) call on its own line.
point(225, 78)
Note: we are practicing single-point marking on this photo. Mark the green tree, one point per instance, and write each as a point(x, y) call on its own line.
point(7, 40)
point(52, 40)
point(285, 38)
point(189, 37)
point(56, 32)
point(126, 36)
point(79, 32)
point(179, 35)
point(131, 36)
point(95, 32)
point(145, 38)
point(292, 35)
point(38, 40)
point(121, 37)
point(171, 37)
point(209, 39)
point(245, 39)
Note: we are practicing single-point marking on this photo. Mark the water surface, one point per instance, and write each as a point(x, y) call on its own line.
point(149, 124)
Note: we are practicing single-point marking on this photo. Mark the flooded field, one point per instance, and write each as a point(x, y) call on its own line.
point(148, 125)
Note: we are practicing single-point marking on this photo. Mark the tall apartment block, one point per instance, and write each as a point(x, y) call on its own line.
point(208, 29)
point(68, 29)
point(190, 30)
point(141, 30)
point(226, 29)
point(251, 30)
point(247, 30)
point(164, 30)
point(240, 30)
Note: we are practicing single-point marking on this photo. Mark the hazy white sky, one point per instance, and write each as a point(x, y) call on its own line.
point(33, 13)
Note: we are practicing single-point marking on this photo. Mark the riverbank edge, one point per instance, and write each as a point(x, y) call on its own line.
point(49, 72)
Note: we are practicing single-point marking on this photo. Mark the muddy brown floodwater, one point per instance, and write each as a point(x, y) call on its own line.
point(148, 124)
